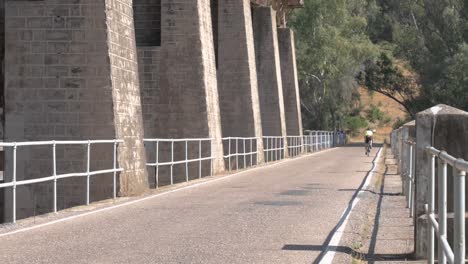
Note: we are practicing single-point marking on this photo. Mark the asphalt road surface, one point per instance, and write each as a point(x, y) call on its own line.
point(277, 214)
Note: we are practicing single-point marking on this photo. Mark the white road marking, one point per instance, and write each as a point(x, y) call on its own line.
point(160, 194)
point(335, 241)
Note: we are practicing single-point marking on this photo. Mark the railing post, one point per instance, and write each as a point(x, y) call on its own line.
point(251, 152)
point(211, 157)
point(199, 159)
point(172, 162)
point(459, 218)
point(442, 207)
point(237, 153)
point(410, 176)
point(186, 160)
point(431, 246)
point(114, 176)
point(229, 154)
point(88, 159)
point(244, 154)
point(54, 158)
point(114, 166)
point(157, 164)
point(14, 183)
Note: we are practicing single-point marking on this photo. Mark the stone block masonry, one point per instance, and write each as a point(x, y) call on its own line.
point(71, 73)
point(129, 69)
point(237, 73)
point(179, 85)
point(270, 86)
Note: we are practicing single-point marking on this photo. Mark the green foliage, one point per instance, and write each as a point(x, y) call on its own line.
point(431, 35)
point(355, 123)
point(400, 122)
point(332, 44)
point(374, 114)
point(383, 76)
point(343, 43)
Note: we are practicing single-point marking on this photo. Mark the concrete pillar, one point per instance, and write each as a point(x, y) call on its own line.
point(270, 86)
point(71, 73)
point(180, 95)
point(237, 73)
point(292, 106)
point(443, 127)
point(408, 131)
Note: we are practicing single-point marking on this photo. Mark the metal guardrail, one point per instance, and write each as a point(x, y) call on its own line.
point(241, 152)
point(459, 167)
point(295, 145)
point(158, 163)
point(54, 177)
point(274, 149)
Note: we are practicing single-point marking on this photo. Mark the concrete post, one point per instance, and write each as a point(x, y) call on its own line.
point(72, 74)
point(443, 127)
point(270, 86)
point(237, 73)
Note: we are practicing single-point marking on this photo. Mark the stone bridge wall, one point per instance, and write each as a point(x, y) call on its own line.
point(129, 69)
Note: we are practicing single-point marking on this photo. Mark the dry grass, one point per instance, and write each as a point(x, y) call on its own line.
point(386, 105)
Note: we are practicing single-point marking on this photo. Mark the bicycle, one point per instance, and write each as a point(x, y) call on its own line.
point(368, 148)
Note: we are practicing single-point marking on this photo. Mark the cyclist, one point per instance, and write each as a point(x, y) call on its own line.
point(368, 139)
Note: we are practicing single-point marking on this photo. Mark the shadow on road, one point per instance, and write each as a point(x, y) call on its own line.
point(325, 248)
point(353, 145)
point(346, 250)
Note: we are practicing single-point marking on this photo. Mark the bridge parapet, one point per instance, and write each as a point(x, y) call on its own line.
point(418, 146)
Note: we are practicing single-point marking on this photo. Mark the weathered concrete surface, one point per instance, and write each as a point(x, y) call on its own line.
point(187, 105)
point(179, 87)
point(292, 106)
point(237, 73)
point(443, 127)
point(72, 74)
point(278, 214)
point(270, 87)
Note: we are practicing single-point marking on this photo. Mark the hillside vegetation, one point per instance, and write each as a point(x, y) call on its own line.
point(412, 52)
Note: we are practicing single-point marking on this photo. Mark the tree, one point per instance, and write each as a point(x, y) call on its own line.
point(332, 45)
point(384, 77)
point(432, 36)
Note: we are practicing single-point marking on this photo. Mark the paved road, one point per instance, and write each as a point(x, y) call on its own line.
point(268, 215)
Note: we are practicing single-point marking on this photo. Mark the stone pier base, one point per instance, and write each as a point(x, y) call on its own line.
point(71, 74)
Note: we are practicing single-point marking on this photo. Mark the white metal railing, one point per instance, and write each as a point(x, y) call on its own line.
point(240, 149)
point(185, 141)
point(459, 168)
point(273, 148)
point(55, 177)
point(295, 145)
